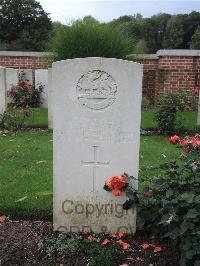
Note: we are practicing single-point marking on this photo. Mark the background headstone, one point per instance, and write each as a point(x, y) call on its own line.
point(97, 111)
point(41, 78)
point(12, 78)
point(2, 90)
point(198, 116)
point(28, 75)
point(50, 100)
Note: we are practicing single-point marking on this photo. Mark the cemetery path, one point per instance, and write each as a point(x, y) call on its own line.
point(18, 247)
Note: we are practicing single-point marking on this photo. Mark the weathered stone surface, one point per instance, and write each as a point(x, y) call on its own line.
point(12, 78)
point(27, 74)
point(198, 117)
point(97, 109)
point(41, 78)
point(50, 100)
point(2, 90)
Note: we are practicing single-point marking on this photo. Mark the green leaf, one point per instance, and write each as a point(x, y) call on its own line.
point(190, 254)
point(132, 177)
point(21, 199)
point(192, 213)
point(45, 193)
point(169, 193)
point(107, 188)
point(188, 196)
point(128, 204)
point(197, 199)
point(126, 175)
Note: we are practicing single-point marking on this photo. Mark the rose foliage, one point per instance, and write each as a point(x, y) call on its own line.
point(169, 206)
point(24, 95)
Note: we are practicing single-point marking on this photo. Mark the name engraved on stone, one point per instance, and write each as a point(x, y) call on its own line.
point(96, 90)
point(94, 164)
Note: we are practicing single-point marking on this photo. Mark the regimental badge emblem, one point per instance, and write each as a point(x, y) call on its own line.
point(96, 90)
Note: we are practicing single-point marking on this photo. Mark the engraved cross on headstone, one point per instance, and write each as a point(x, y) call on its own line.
point(95, 163)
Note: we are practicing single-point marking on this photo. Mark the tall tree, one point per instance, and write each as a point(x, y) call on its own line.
point(191, 23)
point(195, 43)
point(24, 25)
point(174, 33)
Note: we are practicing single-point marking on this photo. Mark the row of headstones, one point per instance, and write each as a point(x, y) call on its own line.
point(10, 77)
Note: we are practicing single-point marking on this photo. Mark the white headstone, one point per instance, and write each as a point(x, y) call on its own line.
point(2, 90)
point(198, 116)
point(50, 100)
point(41, 78)
point(12, 77)
point(28, 75)
point(97, 110)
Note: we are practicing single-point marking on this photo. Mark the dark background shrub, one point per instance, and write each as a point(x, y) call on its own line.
point(171, 104)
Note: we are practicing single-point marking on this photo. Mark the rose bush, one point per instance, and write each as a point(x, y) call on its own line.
point(172, 210)
point(169, 207)
point(168, 116)
point(24, 95)
point(188, 144)
point(14, 119)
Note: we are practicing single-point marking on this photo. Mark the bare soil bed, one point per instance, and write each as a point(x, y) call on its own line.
point(18, 247)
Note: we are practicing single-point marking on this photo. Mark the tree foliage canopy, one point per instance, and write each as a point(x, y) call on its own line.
point(24, 25)
point(195, 43)
point(161, 31)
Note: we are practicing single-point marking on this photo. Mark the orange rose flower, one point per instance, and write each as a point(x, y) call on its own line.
point(109, 183)
point(123, 244)
point(116, 182)
point(117, 192)
point(145, 246)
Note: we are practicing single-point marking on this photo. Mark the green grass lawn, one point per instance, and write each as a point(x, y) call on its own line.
point(26, 170)
point(39, 118)
point(26, 173)
point(188, 119)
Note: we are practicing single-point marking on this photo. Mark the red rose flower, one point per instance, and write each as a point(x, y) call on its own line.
point(174, 139)
point(184, 142)
point(117, 192)
point(116, 182)
point(90, 238)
